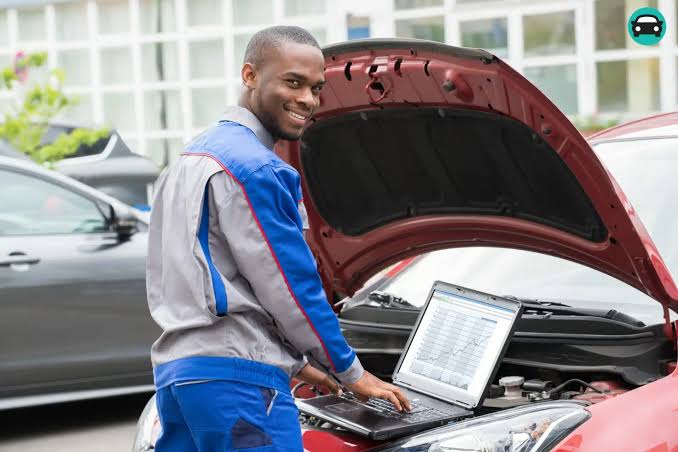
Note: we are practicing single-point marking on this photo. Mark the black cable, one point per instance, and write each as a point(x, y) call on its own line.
point(574, 380)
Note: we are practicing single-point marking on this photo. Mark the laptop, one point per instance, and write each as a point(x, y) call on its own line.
point(446, 368)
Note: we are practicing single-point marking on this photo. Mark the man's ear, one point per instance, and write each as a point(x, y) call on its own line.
point(250, 77)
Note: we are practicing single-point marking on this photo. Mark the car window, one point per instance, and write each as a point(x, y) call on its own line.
point(31, 206)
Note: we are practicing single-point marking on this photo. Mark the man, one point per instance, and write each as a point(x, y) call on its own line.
point(230, 278)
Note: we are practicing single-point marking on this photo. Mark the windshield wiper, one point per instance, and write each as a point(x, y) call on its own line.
point(389, 300)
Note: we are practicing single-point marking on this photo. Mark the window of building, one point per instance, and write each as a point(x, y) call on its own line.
point(113, 16)
point(159, 62)
point(208, 104)
point(206, 59)
point(558, 83)
point(116, 65)
point(304, 7)
point(549, 34)
point(164, 151)
point(611, 19)
point(76, 66)
point(631, 85)
point(157, 16)
point(204, 12)
point(249, 12)
point(410, 4)
point(71, 21)
point(81, 111)
point(357, 27)
point(239, 47)
point(488, 34)
point(162, 110)
point(31, 24)
point(431, 28)
point(4, 35)
point(119, 111)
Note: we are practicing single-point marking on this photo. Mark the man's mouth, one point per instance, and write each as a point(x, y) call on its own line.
point(297, 116)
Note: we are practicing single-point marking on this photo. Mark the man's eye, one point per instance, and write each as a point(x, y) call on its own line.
point(317, 89)
point(294, 83)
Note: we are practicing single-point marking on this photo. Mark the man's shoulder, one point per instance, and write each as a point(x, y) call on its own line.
point(235, 147)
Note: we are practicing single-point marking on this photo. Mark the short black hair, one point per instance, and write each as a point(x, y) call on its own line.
point(266, 42)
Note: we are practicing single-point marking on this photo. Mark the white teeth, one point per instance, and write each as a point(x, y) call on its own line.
point(294, 115)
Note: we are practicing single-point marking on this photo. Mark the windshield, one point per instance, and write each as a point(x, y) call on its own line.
point(646, 170)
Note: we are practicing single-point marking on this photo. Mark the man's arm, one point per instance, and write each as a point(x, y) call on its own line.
point(263, 227)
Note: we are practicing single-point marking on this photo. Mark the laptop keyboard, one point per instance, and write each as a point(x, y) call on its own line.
point(419, 412)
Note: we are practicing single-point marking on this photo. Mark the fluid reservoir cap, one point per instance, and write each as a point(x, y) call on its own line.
point(511, 381)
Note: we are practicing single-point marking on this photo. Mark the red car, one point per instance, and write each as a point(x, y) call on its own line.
point(420, 147)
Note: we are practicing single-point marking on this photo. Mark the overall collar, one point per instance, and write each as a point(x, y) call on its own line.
point(248, 119)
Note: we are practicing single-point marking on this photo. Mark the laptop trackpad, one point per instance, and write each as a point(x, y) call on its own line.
point(343, 407)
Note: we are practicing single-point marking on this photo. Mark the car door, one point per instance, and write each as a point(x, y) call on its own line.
point(72, 294)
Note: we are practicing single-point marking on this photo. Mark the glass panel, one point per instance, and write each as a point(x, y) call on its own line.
point(304, 7)
point(631, 86)
point(320, 36)
point(5, 61)
point(611, 19)
point(116, 65)
point(71, 20)
point(119, 110)
point(208, 104)
point(204, 12)
point(6, 104)
point(239, 47)
point(4, 35)
point(488, 34)
point(113, 16)
point(31, 24)
point(75, 64)
point(164, 151)
point(251, 12)
point(159, 61)
point(549, 34)
point(162, 110)
point(358, 27)
point(559, 83)
point(30, 206)
point(157, 16)
point(81, 111)
point(431, 28)
point(206, 59)
point(408, 4)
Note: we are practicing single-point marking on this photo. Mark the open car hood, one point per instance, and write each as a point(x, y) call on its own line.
point(419, 146)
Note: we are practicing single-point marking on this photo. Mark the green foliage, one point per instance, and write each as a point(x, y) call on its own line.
point(594, 123)
point(24, 127)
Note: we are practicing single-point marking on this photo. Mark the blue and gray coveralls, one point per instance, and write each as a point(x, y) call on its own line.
point(235, 289)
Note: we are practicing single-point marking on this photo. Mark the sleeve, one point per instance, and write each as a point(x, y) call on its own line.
point(264, 229)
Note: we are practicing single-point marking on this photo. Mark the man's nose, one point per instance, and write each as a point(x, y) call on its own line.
point(307, 98)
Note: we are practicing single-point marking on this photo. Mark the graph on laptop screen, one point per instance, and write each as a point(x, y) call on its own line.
point(457, 342)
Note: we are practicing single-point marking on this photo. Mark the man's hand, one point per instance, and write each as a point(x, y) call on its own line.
point(370, 386)
point(311, 375)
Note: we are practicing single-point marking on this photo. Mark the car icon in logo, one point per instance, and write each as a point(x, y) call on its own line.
point(647, 24)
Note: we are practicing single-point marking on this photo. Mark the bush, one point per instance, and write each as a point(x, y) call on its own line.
point(25, 125)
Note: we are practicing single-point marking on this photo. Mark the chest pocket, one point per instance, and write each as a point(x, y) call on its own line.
point(303, 214)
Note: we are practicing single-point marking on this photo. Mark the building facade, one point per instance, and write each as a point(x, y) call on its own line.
point(160, 71)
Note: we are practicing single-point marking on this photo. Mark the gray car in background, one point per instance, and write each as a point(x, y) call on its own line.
point(74, 323)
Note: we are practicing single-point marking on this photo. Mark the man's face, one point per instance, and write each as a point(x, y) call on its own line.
point(287, 89)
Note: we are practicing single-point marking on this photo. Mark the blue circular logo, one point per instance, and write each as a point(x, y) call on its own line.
point(647, 26)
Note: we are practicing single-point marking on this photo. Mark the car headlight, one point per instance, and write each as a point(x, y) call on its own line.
point(535, 428)
point(148, 428)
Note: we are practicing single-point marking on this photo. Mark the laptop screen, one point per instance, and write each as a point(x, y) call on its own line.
point(457, 343)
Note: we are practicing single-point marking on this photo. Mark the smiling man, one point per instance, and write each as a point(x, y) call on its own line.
point(230, 279)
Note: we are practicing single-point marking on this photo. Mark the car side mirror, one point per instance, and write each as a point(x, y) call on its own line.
point(123, 222)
